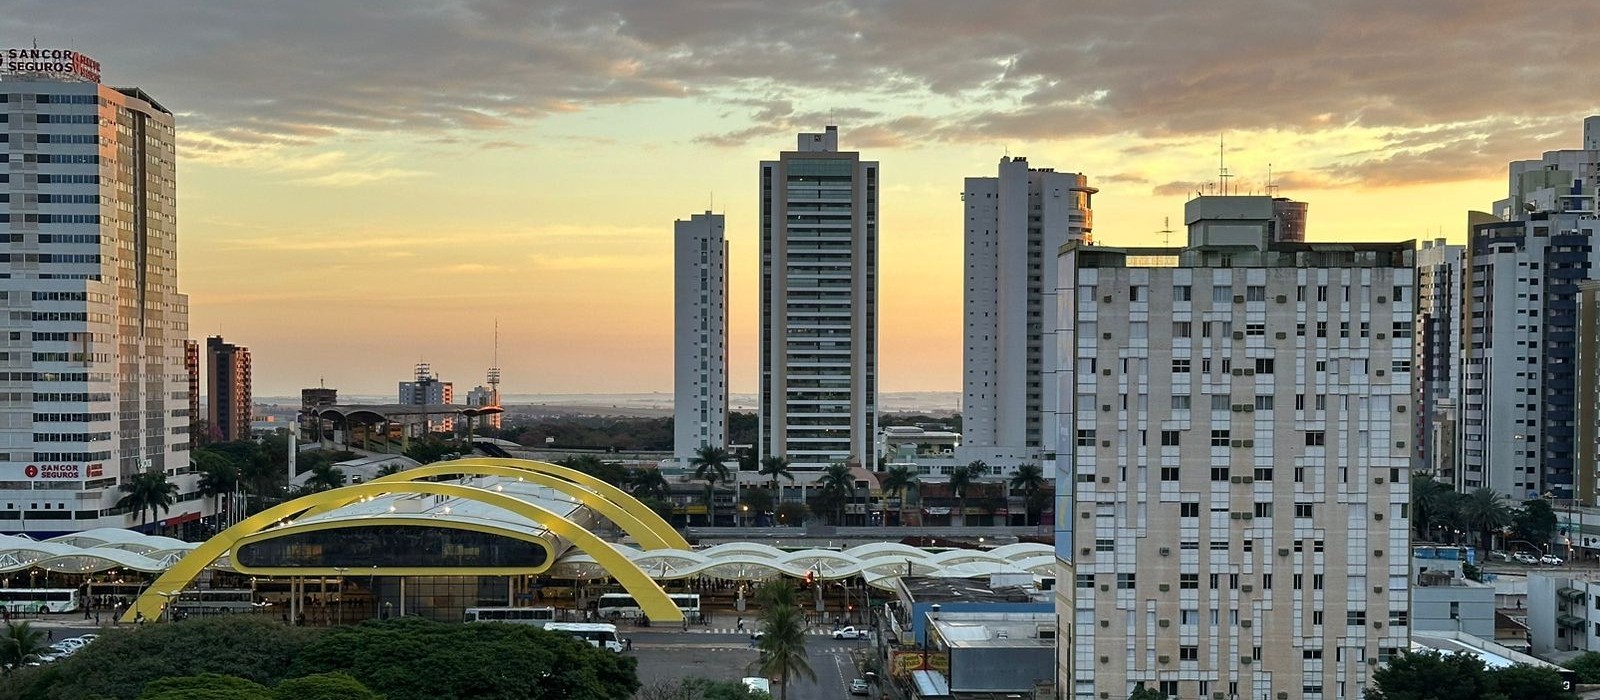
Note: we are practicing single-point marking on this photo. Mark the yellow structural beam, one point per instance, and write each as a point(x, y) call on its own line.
point(651, 598)
point(650, 534)
point(611, 493)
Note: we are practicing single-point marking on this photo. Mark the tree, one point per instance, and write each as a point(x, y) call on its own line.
point(1030, 480)
point(1142, 693)
point(1527, 682)
point(1587, 667)
point(609, 472)
point(792, 513)
point(219, 478)
point(1535, 521)
point(148, 491)
point(783, 637)
point(324, 686)
point(710, 465)
point(1429, 675)
point(759, 500)
point(389, 470)
point(961, 479)
point(1485, 511)
point(774, 467)
point(647, 481)
point(206, 686)
point(698, 689)
point(1429, 499)
point(325, 477)
point(838, 481)
point(430, 450)
point(898, 482)
point(20, 644)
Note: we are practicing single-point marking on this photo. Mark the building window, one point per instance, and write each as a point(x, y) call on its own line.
point(1355, 618)
point(1316, 438)
point(1181, 292)
point(1219, 473)
point(1125, 582)
point(1171, 438)
point(1263, 510)
point(1180, 366)
point(1085, 580)
point(1264, 366)
point(1180, 402)
point(1105, 545)
point(1171, 474)
point(1219, 438)
point(1085, 438)
point(1189, 510)
point(1255, 293)
point(1187, 653)
point(1181, 329)
point(1302, 510)
point(1188, 581)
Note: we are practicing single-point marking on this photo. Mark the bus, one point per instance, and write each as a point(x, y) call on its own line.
point(624, 606)
point(35, 600)
point(218, 601)
point(597, 634)
point(516, 616)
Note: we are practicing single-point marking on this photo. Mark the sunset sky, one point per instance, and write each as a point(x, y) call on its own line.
point(366, 184)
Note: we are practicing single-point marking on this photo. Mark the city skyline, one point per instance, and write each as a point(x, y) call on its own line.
point(320, 176)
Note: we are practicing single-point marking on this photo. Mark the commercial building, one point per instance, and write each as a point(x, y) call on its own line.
point(1519, 381)
point(1236, 419)
point(95, 390)
point(1437, 353)
point(995, 655)
point(228, 397)
point(1015, 223)
point(700, 335)
point(425, 389)
point(819, 305)
point(1443, 599)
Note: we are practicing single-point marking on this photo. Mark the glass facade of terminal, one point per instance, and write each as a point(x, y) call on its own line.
point(359, 547)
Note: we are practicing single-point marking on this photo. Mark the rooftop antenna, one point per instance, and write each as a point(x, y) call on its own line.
point(494, 370)
point(1272, 187)
point(712, 206)
point(1222, 166)
point(1166, 231)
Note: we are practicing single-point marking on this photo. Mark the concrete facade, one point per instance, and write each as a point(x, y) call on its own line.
point(1563, 614)
point(425, 389)
point(96, 387)
point(819, 305)
point(1437, 357)
point(1586, 446)
point(1015, 222)
point(1238, 432)
point(700, 336)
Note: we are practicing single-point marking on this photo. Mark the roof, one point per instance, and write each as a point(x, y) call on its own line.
point(385, 411)
point(990, 630)
point(91, 551)
point(930, 684)
point(1493, 655)
point(933, 589)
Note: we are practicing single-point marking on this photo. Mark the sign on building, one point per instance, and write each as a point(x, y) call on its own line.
point(52, 63)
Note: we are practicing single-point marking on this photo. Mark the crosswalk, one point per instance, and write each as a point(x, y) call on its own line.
point(735, 630)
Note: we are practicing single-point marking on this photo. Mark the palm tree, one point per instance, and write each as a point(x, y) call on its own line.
point(710, 465)
point(773, 467)
point(148, 491)
point(218, 478)
point(389, 470)
point(649, 482)
point(1427, 502)
point(899, 482)
point(20, 644)
point(961, 479)
point(325, 477)
point(1485, 510)
point(783, 640)
point(1029, 479)
point(838, 479)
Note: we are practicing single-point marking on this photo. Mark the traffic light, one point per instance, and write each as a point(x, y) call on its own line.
point(811, 577)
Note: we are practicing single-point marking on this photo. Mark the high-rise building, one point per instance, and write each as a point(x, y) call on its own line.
point(819, 305)
point(425, 389)
point(700, 335)
point(1236, 420)
point(1586, 474)
point(1524, 262)
point(95, 392)
point(191, 366)
point(1015, 224)
point(311, 400)
point(485, 396)
point(1437, 354)
point(228, 393)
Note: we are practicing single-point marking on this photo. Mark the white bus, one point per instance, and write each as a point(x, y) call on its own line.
point(33, 600)
point(624, 606)
point(599, 635)
point(518, 616)
point(217, 601)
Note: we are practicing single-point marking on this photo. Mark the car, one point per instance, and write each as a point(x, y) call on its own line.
point(850, 633)
point(758, 634)
point(88, 637)
point(1525, 558)
point(858, 687)
point(1551, 560)
point(1499, 556)
point(757, 684)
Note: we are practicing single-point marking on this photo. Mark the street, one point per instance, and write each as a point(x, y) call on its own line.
point(728, 656)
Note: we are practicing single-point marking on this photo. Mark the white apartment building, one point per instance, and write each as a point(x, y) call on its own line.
point(700, 336)
point(1015, 224)
point(1437, 354)
point(1236, 416)
point(94, 388)
point(425, 389)
point(819, 305)
point(1524, 262)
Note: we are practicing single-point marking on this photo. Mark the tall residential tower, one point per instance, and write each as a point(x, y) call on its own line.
point(228, 401)
point(700, 337)
point(1437, 350)
point(1015, 224)
point(819, 304)
point(95, 388)
point(1236, 421)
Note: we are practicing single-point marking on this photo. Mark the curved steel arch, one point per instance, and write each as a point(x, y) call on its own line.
point(652, 599)
point(650, 535)
point(605, 490)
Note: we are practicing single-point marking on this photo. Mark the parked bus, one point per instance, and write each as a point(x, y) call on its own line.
point(624, 606)
point(33, 600)
point(599, 635)
point(517, 616)
point(217, 601)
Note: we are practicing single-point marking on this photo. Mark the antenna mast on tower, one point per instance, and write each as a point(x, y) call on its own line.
point(1222, 166)
point(1272, 187)
point(494, 370)
point(1166, 231)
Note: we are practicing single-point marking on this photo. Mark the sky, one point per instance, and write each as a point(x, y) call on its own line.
point(366, 185)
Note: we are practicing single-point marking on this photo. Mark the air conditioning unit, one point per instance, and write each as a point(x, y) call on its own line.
point(1166, 551)
point(1281, 299)
point(1238, 298)
point(1238, 335)
point(1245, 623)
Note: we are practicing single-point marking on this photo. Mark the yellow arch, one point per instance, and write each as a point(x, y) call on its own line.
point(651, 598)
point(623, 499)
point(650, 535)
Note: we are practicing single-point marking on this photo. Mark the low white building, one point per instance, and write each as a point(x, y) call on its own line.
point(1563, 613)
point(1444, 599)
point(929, 451)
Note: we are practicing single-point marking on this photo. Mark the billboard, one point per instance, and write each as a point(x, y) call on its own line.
point(54, 63)
point(52, 471)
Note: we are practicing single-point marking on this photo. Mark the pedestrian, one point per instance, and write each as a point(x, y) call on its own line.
point(740, 626)
point(49, 635)
point(686, 623)
point(97, 618)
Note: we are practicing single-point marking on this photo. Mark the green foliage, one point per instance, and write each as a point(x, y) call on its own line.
point(783, 641)
point(827, 504)
point(1431, 503)
point(792, 513)
point(759, 500)
point(431, 450)
point(324, 686)
point(609, 472)
point(775, 467)
point(1431, 675)
point(20, 643)
point(698, 689)
point(1485, 511)
point(415, 659)
point(148, 491)
point(710, 464)
point(648, 482)
point(1471, 571)
point(1030, 480)
point(1142, 693)
point(206, 686)
point(325, 477)
point(1535, 521)
point(898, 483)
point(1587, 667)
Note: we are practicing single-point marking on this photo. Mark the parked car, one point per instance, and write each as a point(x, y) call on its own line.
point(850, 633)
point(858, 687)
point(1551, 560)
point(1499, 556)
point(1525, 558)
